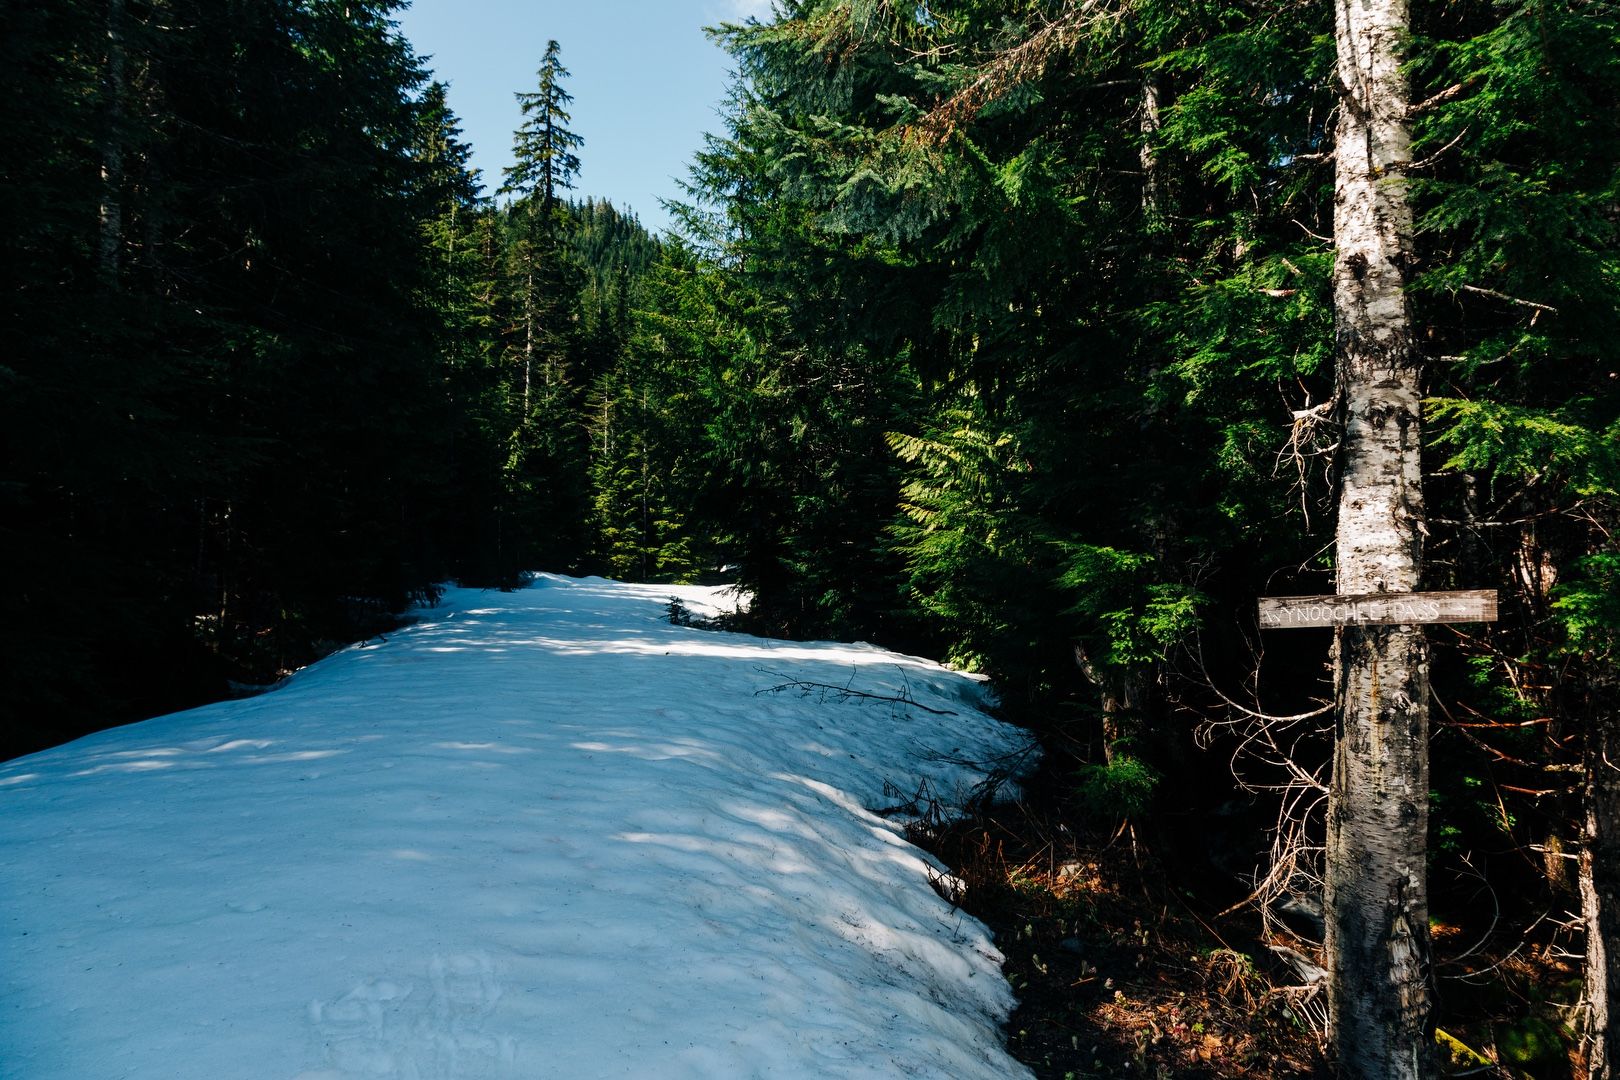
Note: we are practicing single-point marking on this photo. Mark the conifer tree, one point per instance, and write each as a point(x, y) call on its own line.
point(260, 446)
point(1520, 145)
point(543, 148)
point(1119, 233)
point(545, 461)
point(545, 162)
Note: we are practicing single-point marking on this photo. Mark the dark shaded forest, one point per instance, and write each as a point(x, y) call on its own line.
point(1008, 331)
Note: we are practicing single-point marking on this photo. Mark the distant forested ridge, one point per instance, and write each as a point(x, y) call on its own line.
point(1004, 330)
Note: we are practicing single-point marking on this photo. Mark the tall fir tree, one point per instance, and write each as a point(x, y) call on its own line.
point(544, 466)
point(544, 150)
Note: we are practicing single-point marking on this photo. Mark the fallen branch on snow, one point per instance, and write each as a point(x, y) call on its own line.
point(844, 693)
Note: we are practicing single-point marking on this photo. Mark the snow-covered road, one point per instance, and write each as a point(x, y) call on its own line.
point(542, 834)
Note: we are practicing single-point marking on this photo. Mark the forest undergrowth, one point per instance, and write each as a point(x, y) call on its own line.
point(1131, 957)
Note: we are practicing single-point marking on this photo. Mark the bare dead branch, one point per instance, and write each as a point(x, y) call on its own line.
point(1307, 436)
point(1432, 158)
point(845, 693)
point(1504, 297)
point(1441, 98)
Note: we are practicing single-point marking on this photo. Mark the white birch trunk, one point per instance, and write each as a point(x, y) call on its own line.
point(1377, 936)
point(1600, 894)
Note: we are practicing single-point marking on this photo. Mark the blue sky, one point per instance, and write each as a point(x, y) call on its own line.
point(647, 82)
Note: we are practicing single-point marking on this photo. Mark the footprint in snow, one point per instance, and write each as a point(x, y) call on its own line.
point(466, 992)
point(363, 1031)
point(464, 987)
point(392, 1029)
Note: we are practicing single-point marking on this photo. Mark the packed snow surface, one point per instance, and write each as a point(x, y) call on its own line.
point(538, 834)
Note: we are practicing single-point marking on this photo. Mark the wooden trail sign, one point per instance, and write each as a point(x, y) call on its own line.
point(1298, 612)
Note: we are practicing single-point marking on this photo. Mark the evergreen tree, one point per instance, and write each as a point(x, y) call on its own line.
point(1519, 153)
point(226, 254)
point(1109, 260)
point(465, 290)
point(546, 485)
point(543, 148)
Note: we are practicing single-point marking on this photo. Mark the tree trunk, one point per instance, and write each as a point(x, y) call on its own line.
point(550, 185)
point(1121, 695)
point(1376, 895)
point(1600, 890)
point(528, 337)
point(1149, 123)
point(110, 238)
point(155, 225)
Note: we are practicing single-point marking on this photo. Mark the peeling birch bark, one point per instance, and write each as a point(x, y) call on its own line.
point(1377, 938)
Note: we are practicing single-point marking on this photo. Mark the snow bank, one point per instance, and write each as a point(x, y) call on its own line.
point(539, 834)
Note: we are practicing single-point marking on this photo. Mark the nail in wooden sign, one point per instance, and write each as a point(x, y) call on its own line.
point(1386, 609)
